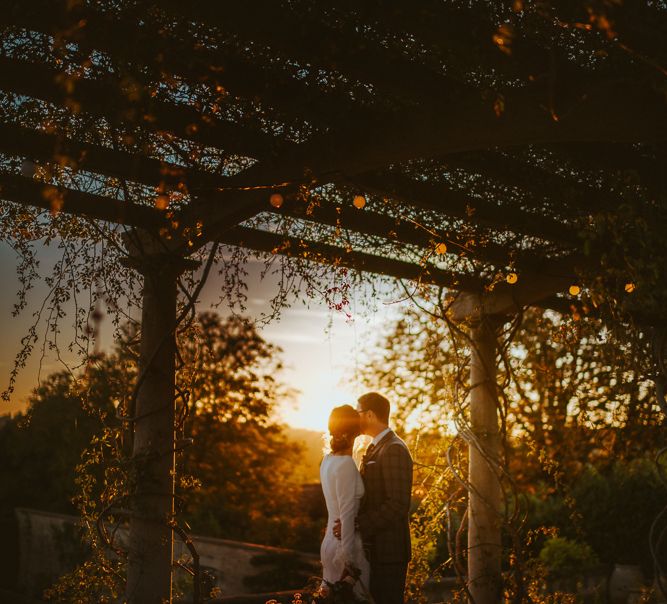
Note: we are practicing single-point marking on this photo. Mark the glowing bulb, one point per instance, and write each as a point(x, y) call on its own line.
point(574, 290)
point(276, 200)
point(512, 278)
point(630, 287)
point(441, 249)
point(161, 202)
point(359, 201)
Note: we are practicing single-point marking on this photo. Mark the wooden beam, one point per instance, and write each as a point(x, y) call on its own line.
point(42, 146)
point(29, 192)
point(225, 66)
point(398, 230)
point(204, 187)
point(458, 204)
point(603, 111)
point(507, 299)
point(115, 101)
point(134, 167)
point(273, 243)
point(325, 43)
point(564, 193)
point(367, 222)
point(469, 286)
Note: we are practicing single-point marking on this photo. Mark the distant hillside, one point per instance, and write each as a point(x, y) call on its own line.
point(313, 444)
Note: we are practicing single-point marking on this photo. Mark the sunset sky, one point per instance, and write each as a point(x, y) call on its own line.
point(321, 347)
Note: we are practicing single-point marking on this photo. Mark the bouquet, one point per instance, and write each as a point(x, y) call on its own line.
point(321, 592)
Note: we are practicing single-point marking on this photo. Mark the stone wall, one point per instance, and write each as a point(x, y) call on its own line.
point(50, 546)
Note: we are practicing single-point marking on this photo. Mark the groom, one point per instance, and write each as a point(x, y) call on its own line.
point(383, 519)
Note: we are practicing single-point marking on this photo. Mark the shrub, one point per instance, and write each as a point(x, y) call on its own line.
point(565, 557)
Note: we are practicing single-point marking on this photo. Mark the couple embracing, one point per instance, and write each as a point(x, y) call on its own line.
point(366, 547)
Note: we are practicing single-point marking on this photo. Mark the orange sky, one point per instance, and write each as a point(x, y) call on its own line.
point(321, 347)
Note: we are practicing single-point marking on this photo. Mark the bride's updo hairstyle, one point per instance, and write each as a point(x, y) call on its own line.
point(344, 427)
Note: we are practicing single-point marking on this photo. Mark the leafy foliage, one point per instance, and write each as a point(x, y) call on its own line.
point(573, 406)
point(565, 558)
point(237, 474)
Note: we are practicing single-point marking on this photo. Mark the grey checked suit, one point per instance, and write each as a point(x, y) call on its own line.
point(384, 516)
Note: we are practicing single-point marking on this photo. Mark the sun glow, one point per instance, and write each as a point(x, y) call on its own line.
point(319, 395)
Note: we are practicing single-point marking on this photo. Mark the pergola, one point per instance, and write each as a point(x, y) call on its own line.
point(448, 143)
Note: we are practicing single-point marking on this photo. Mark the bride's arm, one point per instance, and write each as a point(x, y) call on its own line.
point(348, 494)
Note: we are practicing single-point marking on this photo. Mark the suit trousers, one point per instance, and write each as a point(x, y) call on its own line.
point(388, 582)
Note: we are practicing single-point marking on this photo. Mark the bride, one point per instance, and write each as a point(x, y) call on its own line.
point(344, 559)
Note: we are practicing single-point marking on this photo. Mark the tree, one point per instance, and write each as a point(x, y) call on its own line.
point(42, 447)
point(237, 469)
point(573, 391)
point(573, 394)
point(239, 455)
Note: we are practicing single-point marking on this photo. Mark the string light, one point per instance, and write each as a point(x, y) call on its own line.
point(574, 290)
point(630, 287)
point(276, 200)
point(441, 249)
point(359, 201)
point(162, 202)
point(512, 278)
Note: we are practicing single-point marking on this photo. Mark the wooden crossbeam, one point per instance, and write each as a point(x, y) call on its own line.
point(273, 243)
point(508, 299)
point(47, 147)
point(107, 98)
point(367, 222)
point(230, 207)
point(602, 111)
point(227, 67)
point(571, 197)
point(443, 198)
point(326, 45)
point(38, 80)
point(263, 241)
point(29, 192)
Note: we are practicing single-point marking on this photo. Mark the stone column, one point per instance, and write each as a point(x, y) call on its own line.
point(484, 504)
point(150, 540)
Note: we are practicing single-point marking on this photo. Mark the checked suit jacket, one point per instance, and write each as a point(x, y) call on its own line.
point(384, 514)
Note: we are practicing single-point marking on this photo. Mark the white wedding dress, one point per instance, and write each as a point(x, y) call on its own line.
point(343, 489)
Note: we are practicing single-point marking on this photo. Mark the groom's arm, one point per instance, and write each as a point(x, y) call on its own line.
point(397, 481)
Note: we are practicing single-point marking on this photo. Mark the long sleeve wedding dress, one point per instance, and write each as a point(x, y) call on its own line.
point(343, 489)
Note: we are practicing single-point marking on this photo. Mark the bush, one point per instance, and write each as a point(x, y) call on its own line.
point(564, 557)
point(611, 510)
point(617, 508)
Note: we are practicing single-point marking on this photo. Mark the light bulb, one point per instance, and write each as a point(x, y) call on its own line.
point(359, 201)
point(574, 290)
point(512, 278)
point(630, 287)
point(276, 200)
point(441, 249)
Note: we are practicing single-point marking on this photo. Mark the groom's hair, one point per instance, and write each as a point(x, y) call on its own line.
point(378, 404)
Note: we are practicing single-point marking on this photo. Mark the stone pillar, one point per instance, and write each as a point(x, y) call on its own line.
point(484, 503)
point(150, 540)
